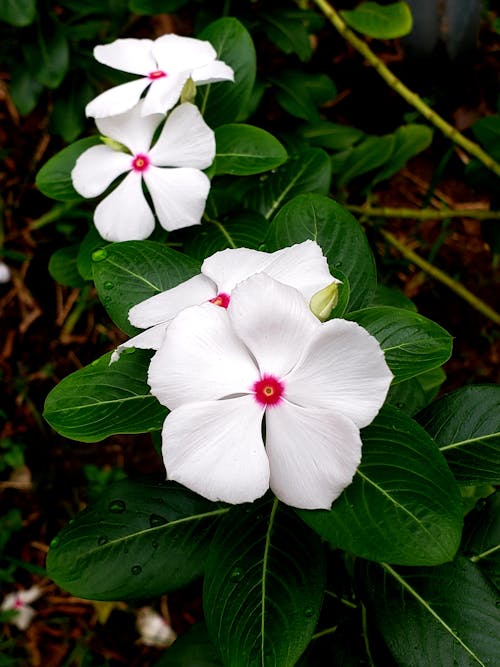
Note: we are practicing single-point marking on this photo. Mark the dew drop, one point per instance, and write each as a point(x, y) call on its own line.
point(156, 520)
point(236, 575)
point(54, 542)
point(117, 506)
point(95, 362)
point(308, 612)
point(99, 255)
point(338, 265)
point(108, 285)
point(102, 540)
point(106, 300)
point(136, 569)
point(263, 247)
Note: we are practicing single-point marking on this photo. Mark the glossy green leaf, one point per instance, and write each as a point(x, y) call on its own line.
point(380, 21)
point(403, 505)
point(301, 94)
point(24, 89)
point(371, 153)
point(140, 539)
point(92, 241)
point(192, 648)
point(222, 102)
point(412, 343)
point(466, 426)
point(63, 266)
point(287, 31)
point(331, 136)
point(67, 118)
point(243, 150)
point(482, 541)
point(18, 12)
point(339, 234)
point(130, 272)
point(264, 585)
point(409, 140)
point(150, 7)
point(102, 399)
point(391, 296)
point(407, 396)
point(434, 616)
point(54, 178)
point(48, 54)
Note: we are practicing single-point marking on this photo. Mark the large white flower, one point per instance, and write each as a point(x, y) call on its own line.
point(220, 372)
point(170, 169)
point(164, 64)
point(302, 266)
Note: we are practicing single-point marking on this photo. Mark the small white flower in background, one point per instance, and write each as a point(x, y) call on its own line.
point(170, 169)
point(221, 371)
point(164, 65)
point(19, 602)
point(302, 266)
point(4, 273)
point(154, 629)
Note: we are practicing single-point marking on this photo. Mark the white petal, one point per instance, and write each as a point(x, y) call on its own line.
point(214, 71)
point(178, 195)
point(23, 617)
point(185, 140)
point(117, 100)
point(5, 273)
point(343, 368)
point(200, 359)
point(166, 305)
point(129, 55)
point(313, 454)
point(30, 594)
point(229, 267)
point(96, 168)
point(174, 53)
point(124, 215)
point(131, 128)
point(164, 93)
point(215, 448)
point(151, 339)
point(273, 320)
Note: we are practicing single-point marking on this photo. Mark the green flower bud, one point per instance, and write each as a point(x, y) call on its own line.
point(323, 302)
point(115, 145)
point(188, 92)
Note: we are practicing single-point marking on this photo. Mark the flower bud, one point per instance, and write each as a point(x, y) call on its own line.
point(112, 143)
point(323, 302)
point(188, 92)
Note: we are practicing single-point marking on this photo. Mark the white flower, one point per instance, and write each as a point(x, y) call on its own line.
point(220, 371)
point(4, 273)
point(164, 65)
point(302, 266)
point(154, 629)
point(170, 169)
point(19, 602)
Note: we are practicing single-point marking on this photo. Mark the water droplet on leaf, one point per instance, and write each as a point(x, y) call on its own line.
point(108, 285)
point(117, 506)
point(54, 542)
point(102, 540)
point(136, 569)
point(99, 255)
point(308, 612)
point(236, 575)
point(156, 520)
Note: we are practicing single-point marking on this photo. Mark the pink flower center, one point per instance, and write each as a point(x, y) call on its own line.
point(221, 300)
point(18, 603)
point(157, 74)
point(268, 390)
point(140, 162)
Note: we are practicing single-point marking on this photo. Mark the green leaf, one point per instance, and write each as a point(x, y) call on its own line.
point(466, 426)
point(63, 266)
point(48, 54)
point(301, 94)
point(371, 153)
point(24, 89)
point(287, 31)
point(412, 343)
point(264, 584)
point(140, 539)
point(332, 136)
point(92, 241)
point(403, 505)
point(339, 234)
point(380, 21)
point(435, 616)
point(243, 150)
point(309, 171)
point(222, 102)
point(130, 272)
point(18, 12)
point(391, 296)
point(54, 178)
point(150, 7)
point(102, 399)
point(407, 396)
point(483, 537)
point(192, 648)
point(409, 141)
point(68, 117)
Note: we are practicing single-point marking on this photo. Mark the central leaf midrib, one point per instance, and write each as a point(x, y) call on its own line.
point(265, 559)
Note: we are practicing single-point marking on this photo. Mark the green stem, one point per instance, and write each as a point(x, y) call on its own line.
point(55, 213)
point(443, 277)
point(364, 621)
point(485, 554)
point(80, 307)
point(425, 213)
point(412, 98)
point(323, 633)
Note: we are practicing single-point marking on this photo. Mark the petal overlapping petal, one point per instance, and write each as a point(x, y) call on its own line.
point(200, 359)
point(124, 215)
point(343, 368)
point(174, 53)
point(164, 93)
point(313, 454)
point(117, 100)
point(151, 339)
point(179, 195)
point(213, 72)
point(185, 140)
point(96, 168)
point(229, 267)
point(215, 448)
point(166, 305)
point(129, 54)
point(274, 322)
point(131, 129)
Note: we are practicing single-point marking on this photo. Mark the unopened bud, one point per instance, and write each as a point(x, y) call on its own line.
point(323, 302)
point(115, 145)
point(189, 91)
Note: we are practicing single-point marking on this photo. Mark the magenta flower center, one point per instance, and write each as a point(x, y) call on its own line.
point(221, 300)
point(18, 603)
point(268, 390)
point(140, 162)
point(157, 74)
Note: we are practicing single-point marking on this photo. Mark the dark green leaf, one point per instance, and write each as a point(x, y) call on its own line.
point(339, 234)
point(431, 382)
point(483, 537)
point(371, 153)
point(301, 94)
point(140, 539)
point(412, 344)
point(264, 584)
point(92, 241)
point(287, 31)
point(102, 399)
point(380, 21)
point(243, 150)
point(63, 267)
point(391, 296)
point(48, 54)
point(18, 12)
point(193, 648)
point(130, 272)
point(466, 426)
point(403, 506)
point(68, 117)
point(331, 136)
point(24, 89)
point(407, 396)
point(409, 140)
point(155, 6)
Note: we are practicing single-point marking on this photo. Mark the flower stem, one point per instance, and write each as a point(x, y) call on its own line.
point(425, 213)
point(397, 85)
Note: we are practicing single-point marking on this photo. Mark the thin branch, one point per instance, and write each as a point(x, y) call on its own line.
point(425, 213)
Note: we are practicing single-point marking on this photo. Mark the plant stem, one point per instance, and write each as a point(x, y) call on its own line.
point(397, 85)
point(425, 213)
point(443, 277)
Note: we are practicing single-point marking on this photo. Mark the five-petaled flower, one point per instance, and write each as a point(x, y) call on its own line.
point(170, 169)
point(164, 64)
point(220, 371)
point(302, 266)
point(19, 602)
